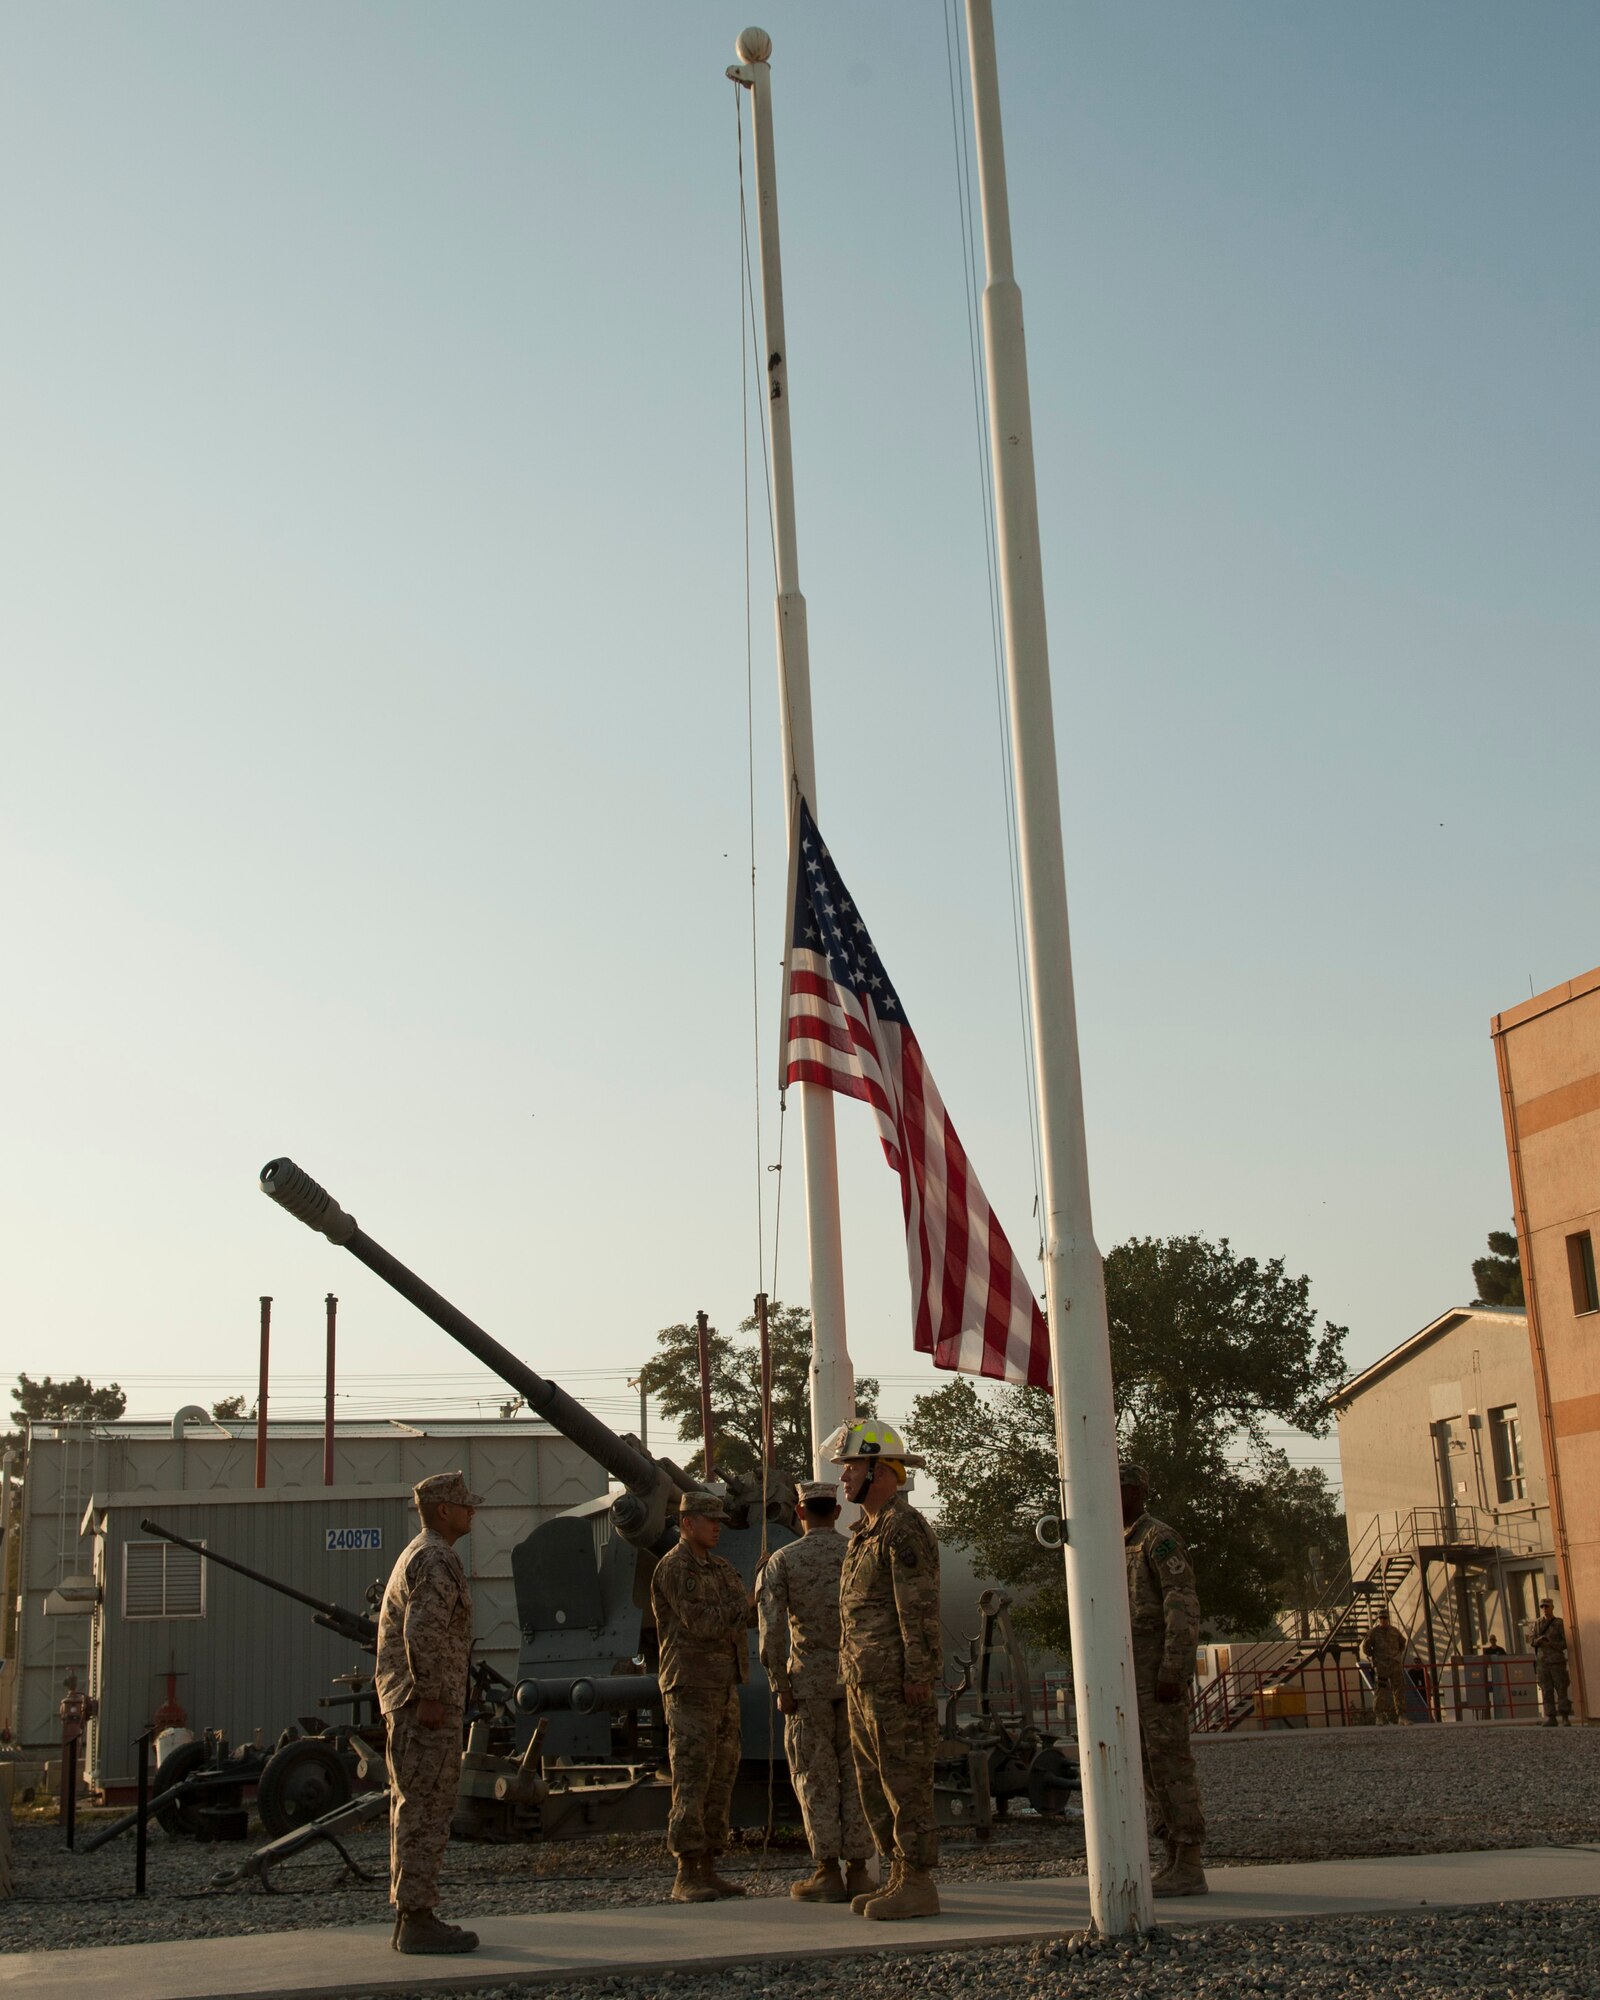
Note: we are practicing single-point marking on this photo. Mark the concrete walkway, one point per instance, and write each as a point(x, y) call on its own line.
point(310, 1964)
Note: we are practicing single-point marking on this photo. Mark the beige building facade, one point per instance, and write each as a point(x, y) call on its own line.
point(1547, 1055)
point(1446, 1494)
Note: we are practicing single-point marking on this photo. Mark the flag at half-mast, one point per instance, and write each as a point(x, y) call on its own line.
point(974, 1309)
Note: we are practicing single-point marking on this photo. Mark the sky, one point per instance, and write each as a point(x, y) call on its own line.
point(383, 716)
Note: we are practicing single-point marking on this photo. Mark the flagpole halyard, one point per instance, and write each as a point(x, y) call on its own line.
point(1102, 1650)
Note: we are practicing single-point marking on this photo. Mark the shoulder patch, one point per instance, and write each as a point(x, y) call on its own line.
point(691, 1585)
point(1167, 1546)
point(1176, 1566)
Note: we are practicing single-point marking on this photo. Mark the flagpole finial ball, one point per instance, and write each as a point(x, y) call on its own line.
point(753, 46)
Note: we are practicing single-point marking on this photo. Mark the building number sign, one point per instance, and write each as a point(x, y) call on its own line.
point(338, 1540)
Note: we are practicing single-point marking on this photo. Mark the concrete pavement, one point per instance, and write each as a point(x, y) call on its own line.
point(310, 1964)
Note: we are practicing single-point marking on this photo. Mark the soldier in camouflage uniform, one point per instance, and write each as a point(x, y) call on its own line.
point(1164, 1610)
point(702, 1613)
point(424, 1652)
point(799, 1605)
point(891, 1656)
point(1550, 1664)
point(1385, 1647)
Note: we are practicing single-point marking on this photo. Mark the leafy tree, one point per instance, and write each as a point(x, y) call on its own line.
point(1498, 1276)
point(673, 1378)
point(1209, 1351)
point(231, 1409)
point(73, 1401)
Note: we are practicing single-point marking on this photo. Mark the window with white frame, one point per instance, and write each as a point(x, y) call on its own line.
point(160, 1580)
point(1505, 1438)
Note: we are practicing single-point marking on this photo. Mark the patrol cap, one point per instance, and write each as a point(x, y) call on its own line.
point(445, 1489)
point(1543, 1601)
point(708, 1504)
point(1129, 1474)
point(818, 1489)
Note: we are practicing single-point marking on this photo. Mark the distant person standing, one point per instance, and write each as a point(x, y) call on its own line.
point(1164, 1609)
point(424, 1652)
point(799, 1605)
point(1385, 1646)
point(702, 1613)
point(1550, 1664)
point(1494, 1676)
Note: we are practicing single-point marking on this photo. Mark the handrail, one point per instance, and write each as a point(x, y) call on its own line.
point(1503, 1688)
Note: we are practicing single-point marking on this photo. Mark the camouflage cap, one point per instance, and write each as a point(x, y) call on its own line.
point(708, 1504)
point(445, 1489)
point(1129, 1474)
point(818, 1489)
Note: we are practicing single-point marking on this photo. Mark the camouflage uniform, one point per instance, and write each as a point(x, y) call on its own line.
point(424, 1650)
point(702, 1614)
point(1164, 1610)
point(800, 1651)
point(1550, 1665)
point(889, 1634)
point(1385, 1647)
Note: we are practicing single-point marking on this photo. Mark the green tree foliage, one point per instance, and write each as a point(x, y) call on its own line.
point(231, 1409)
point(1209, 1353)
point(673, 1378)
point(73, 1401)
point(1498, 1276)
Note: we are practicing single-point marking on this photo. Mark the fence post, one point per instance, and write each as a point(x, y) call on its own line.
point(141, 1833)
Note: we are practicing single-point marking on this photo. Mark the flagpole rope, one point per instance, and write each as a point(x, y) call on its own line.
point(964, 216)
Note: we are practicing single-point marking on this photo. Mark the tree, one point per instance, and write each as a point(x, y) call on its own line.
point(231, 1409)
point(1209, 1353)
point(76, 1401)
point(673, 1378)
point(1498, 1276)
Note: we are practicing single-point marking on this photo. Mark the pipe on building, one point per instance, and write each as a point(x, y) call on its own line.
point(191, 1413)
point(261, 1394)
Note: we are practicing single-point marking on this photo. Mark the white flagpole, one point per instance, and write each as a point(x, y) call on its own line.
point(833, 1387)
point(1080, 1347)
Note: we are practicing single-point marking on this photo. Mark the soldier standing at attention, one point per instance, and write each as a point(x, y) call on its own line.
point(1385, 1647)
point(1164, 1609)
point(702, 1614)
point(1550, 1664)
point(799, 1604)
point(424, 1651)
point(890, 1653)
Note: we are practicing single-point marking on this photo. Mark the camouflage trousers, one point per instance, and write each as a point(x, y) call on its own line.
point(893, 1750)
point(1171, 1788)
point(703, 1738)
point(822, 1769)
point(1389, 1694)
point(1555, 1689)
point(424, 1768)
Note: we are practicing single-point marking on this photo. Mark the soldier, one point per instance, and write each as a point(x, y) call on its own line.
point(1550, 1664)
point(1385, 1646)
point(799, 1604)
point(702, 1614)
point(890, 1652)
point(424, 1650)
point(1164, 1609)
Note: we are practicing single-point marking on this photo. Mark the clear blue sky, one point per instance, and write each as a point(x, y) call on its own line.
point(373, 631)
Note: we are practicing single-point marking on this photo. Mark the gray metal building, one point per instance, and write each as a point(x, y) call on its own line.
point(86, 1483)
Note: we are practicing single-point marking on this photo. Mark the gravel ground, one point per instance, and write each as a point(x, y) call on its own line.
point(1269, 1798)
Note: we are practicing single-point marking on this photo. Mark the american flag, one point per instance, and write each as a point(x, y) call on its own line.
point(847, 1031)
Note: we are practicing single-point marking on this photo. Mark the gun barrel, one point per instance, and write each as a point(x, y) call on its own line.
point(352, 1625)
point(294, 1189)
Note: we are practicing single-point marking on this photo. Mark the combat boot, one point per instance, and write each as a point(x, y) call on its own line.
point(719, 1885)
point(1184, 1877)
point(691, 1885)
point(826, 1885)
point(913, 1896)
point(421, 1931)
point(889, 1883)
point(858, 1880)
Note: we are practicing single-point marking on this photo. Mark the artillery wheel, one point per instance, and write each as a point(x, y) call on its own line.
point(301, 1782)
point(183, 1818)
point(1052, 1779)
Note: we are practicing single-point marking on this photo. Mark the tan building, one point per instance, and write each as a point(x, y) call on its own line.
point(1445, 1490)
point(1548, 1054)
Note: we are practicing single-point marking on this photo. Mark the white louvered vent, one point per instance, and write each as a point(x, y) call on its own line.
point(160, 1581)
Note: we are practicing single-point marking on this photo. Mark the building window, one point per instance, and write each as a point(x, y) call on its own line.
point(1505, 1437)
point(1580, 1268)
point(162, 1581)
